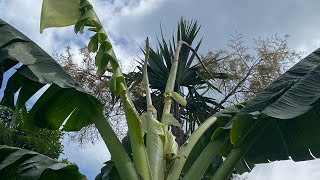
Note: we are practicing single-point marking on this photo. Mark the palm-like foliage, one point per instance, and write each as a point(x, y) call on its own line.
point(188, 80)
point(161, 59)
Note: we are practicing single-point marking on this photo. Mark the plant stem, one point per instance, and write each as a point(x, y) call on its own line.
point(146, 78)
point(202, 163)
point(171, 82)
point(121, 159)
point(225, 170)
point(187, 147)
point(154, 143)
point(140, 156)
point(229, 163)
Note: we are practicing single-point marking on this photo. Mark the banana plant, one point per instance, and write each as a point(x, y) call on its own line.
point(279, 123)
point(150, 160)
point(188, 80)
point(240, 134)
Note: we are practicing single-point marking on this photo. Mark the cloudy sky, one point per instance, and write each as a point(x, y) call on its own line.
point(129, 22)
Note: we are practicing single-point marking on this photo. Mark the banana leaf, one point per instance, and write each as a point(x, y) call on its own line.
point(64, 99)
point(18, 163)
point(288, 110)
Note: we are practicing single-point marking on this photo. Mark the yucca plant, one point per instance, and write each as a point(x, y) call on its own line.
point(279, 123)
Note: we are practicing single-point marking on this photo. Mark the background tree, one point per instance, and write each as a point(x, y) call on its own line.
point(84, 72)
point(249, 70)
point(44, 141)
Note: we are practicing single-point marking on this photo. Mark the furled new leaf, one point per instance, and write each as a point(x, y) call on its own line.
point(177, 97)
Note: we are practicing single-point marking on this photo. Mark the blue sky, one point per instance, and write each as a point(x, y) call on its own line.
point(129, 22)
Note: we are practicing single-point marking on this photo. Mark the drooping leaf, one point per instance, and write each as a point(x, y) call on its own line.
point(59, 13)
point(81, 13)
point(65, 98)
point(290, 105)
point(117, 82)
point(93, 44)
point(18, 163)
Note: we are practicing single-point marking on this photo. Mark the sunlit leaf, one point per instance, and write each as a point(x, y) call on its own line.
point(59, 13)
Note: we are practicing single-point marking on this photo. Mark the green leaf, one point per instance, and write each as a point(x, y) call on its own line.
point(117, 82)
point(198, 141)
point(81, 13)
point(171, 120)
point(64, 97)
point(59, 13)
point(108, 172)
point(289, 109)
point(208, 151)
point(117, 86)
point(177, 97)
point(24, 94)
point(187, 147)
point(18, 163)
point(93, 44)
point(170, 145)
point(155, 147)
point(160, 60)
point(206, 157)
point(102, 59)
point(239, 131)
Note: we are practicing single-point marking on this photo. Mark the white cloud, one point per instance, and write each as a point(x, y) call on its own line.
point(142, 8)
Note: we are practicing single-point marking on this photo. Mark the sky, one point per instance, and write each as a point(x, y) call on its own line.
point(129, 22)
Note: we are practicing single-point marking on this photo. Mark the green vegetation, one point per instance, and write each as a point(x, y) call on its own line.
point(43, 141)
point(279, 123)
point(24, 164)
